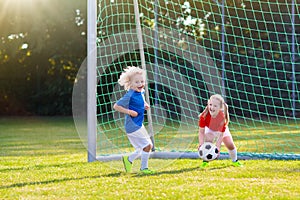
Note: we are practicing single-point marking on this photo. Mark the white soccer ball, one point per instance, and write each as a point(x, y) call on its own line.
point(208, 151)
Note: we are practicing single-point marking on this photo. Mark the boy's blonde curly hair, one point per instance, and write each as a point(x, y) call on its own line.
point(126, 76)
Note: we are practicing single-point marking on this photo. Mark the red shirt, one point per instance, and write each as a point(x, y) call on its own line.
point(214, 123)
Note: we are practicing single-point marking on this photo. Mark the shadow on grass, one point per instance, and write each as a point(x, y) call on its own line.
point(179, 171)
point(117, 174)
point(16, 185)
point(138, 174)
point(38, 167)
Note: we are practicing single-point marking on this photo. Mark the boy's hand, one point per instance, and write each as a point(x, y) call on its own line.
point(132, 113)
point(147, 106)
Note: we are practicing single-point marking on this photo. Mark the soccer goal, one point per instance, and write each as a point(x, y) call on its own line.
point(247, 51)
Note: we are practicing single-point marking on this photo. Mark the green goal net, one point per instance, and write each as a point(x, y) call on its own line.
point(247, 51)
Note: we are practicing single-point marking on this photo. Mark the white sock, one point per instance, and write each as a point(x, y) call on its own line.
point(233, 154)
point(144, 160)
point(134, 155)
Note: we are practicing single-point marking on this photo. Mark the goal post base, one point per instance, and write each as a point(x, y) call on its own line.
point(194, 155)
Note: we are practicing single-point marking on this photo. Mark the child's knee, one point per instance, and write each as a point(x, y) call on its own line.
point(147, 148)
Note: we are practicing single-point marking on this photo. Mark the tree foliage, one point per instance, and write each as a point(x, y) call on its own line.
point(43, 44)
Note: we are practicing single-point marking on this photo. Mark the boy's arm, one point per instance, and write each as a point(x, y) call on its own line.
point(125, 110)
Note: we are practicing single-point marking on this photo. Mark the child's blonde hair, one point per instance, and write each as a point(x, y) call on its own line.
point(223, 106)
point(130, 71)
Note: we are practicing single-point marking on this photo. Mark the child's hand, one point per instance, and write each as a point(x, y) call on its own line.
point(199, 146)
point(132, 113)
point(147, 106)
point(219, 150)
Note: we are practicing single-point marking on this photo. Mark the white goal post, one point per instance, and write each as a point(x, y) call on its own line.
point(91, 79)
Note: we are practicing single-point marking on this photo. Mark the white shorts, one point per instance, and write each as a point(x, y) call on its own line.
point(210, 135)
point(139, 139)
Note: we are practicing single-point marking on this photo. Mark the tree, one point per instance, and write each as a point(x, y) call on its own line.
point(42, 47)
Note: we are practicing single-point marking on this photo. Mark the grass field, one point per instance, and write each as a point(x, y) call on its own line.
point(43, 158)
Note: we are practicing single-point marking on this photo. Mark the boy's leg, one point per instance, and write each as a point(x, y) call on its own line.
point(127, 164)
point(134, 155)
point(144, 160)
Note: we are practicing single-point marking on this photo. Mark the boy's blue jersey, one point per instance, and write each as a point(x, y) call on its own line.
point(134, 101)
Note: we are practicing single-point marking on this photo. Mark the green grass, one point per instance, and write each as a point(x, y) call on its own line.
point(43, 158)
point(281, 137)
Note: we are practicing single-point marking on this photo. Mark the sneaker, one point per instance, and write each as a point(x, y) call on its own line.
point(204, 164)
point(147, 171)
point(127, 164)
point(237, 164)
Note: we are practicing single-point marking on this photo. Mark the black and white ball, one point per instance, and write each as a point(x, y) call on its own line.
point(208, 151)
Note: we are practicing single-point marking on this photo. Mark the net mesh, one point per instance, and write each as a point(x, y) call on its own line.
point(248, 51)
